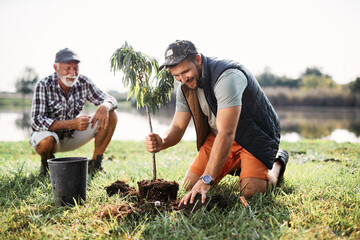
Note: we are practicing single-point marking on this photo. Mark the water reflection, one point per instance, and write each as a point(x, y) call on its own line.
point(339, 124)
point(132, 125)
point(10, 130)
point(24, 121)
point(296, 123)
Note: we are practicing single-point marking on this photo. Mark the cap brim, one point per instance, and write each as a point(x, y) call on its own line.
point(171, 62)
point(165, 64)
point(73, 60)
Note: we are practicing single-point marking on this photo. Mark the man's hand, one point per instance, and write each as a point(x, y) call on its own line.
point(81, 123)
point(101, 117)
point(153, 143)
point(199, 188)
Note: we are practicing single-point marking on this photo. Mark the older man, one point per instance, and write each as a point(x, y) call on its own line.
point(237, 128)
point(57, 103)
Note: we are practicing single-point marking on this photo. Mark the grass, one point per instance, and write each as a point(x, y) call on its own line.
point(318, 200)
point(11, 103)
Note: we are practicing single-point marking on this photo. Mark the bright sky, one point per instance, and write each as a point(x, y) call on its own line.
point(285, 35)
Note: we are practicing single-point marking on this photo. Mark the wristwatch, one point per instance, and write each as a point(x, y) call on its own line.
point(207, 179)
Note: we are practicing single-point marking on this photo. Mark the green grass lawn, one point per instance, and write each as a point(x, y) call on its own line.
point(318, 200)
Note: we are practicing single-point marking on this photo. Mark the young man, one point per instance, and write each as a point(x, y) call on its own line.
point(57, 102)
point(237, 128)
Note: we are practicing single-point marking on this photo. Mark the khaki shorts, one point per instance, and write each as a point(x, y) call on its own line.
point(79, 139)
point(238, 158)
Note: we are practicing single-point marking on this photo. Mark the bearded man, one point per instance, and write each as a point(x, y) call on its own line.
point(237, 128)
point(55, 113)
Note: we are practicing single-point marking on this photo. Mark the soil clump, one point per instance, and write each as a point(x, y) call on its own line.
point(158, 190)
point(121, 188)
point(153, 196)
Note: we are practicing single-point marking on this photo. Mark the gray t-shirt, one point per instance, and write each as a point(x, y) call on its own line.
point(228, 92)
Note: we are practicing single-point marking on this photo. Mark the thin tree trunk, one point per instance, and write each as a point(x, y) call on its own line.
point(151, 131)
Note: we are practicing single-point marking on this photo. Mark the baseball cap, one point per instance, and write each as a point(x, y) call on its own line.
point(66, 55)
point(178, 51)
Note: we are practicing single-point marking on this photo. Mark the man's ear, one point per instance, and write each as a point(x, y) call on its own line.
point(198, 59)
point(55, 67)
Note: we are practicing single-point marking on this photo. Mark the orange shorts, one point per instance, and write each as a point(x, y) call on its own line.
point(238, 159)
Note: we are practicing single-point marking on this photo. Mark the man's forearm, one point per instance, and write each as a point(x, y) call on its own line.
point(62, 125)
point(226, 121)
point(172, 137)
point(219, 153)
point(176, 130)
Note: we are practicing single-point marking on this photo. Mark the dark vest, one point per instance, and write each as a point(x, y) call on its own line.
point(258, 130)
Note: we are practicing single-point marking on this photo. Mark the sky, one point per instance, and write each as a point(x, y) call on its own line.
point(284, 36)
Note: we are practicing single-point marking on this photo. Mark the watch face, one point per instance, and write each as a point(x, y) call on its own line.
point(207, 179)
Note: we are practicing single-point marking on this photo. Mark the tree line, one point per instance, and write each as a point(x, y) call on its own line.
point(310, 79)
point(312, 88)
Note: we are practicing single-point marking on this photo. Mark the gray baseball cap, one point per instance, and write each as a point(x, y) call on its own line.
point(178, 51)
point(66, 55)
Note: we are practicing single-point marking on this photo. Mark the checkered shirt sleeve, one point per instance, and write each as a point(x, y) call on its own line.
point(39, 119)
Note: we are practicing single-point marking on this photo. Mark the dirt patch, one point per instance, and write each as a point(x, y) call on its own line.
point(121, 188)
point(158, 190)
point(153, 198)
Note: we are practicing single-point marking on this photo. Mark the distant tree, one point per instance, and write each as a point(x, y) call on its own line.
point(268, 79)
point(314, 78)
point(312, 71)
point(315, 81)
point(26, 83)
point(355, 85)
point(311, 78)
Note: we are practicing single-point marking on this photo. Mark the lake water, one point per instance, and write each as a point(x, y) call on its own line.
point(341, 125)
point(132, 125)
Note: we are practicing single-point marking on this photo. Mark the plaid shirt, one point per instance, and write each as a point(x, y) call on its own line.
point(50, 104)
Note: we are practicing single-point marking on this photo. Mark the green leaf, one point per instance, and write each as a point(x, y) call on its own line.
point(148, 85)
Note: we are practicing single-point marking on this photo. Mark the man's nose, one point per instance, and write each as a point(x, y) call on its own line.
point(72, 72)
point(182, 78)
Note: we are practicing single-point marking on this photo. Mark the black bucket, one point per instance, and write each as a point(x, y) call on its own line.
point(68, 179)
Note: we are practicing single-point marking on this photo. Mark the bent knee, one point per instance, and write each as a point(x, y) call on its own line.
point(252, 186)
point(47, 145)
point(249, 193)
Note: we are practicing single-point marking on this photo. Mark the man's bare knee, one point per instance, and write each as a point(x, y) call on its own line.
point(46, 146)
point(247, 193)
point(251, 186)
point(112, 122)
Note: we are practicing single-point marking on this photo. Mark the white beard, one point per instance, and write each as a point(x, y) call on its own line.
point(68, 83)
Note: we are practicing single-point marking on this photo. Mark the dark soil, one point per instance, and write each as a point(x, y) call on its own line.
point(152, 198)
point(158, 190)
point(121, 188)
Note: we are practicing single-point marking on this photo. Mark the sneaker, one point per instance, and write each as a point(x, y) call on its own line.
point(44, 168)
point(282, 157)
point(95, 165)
